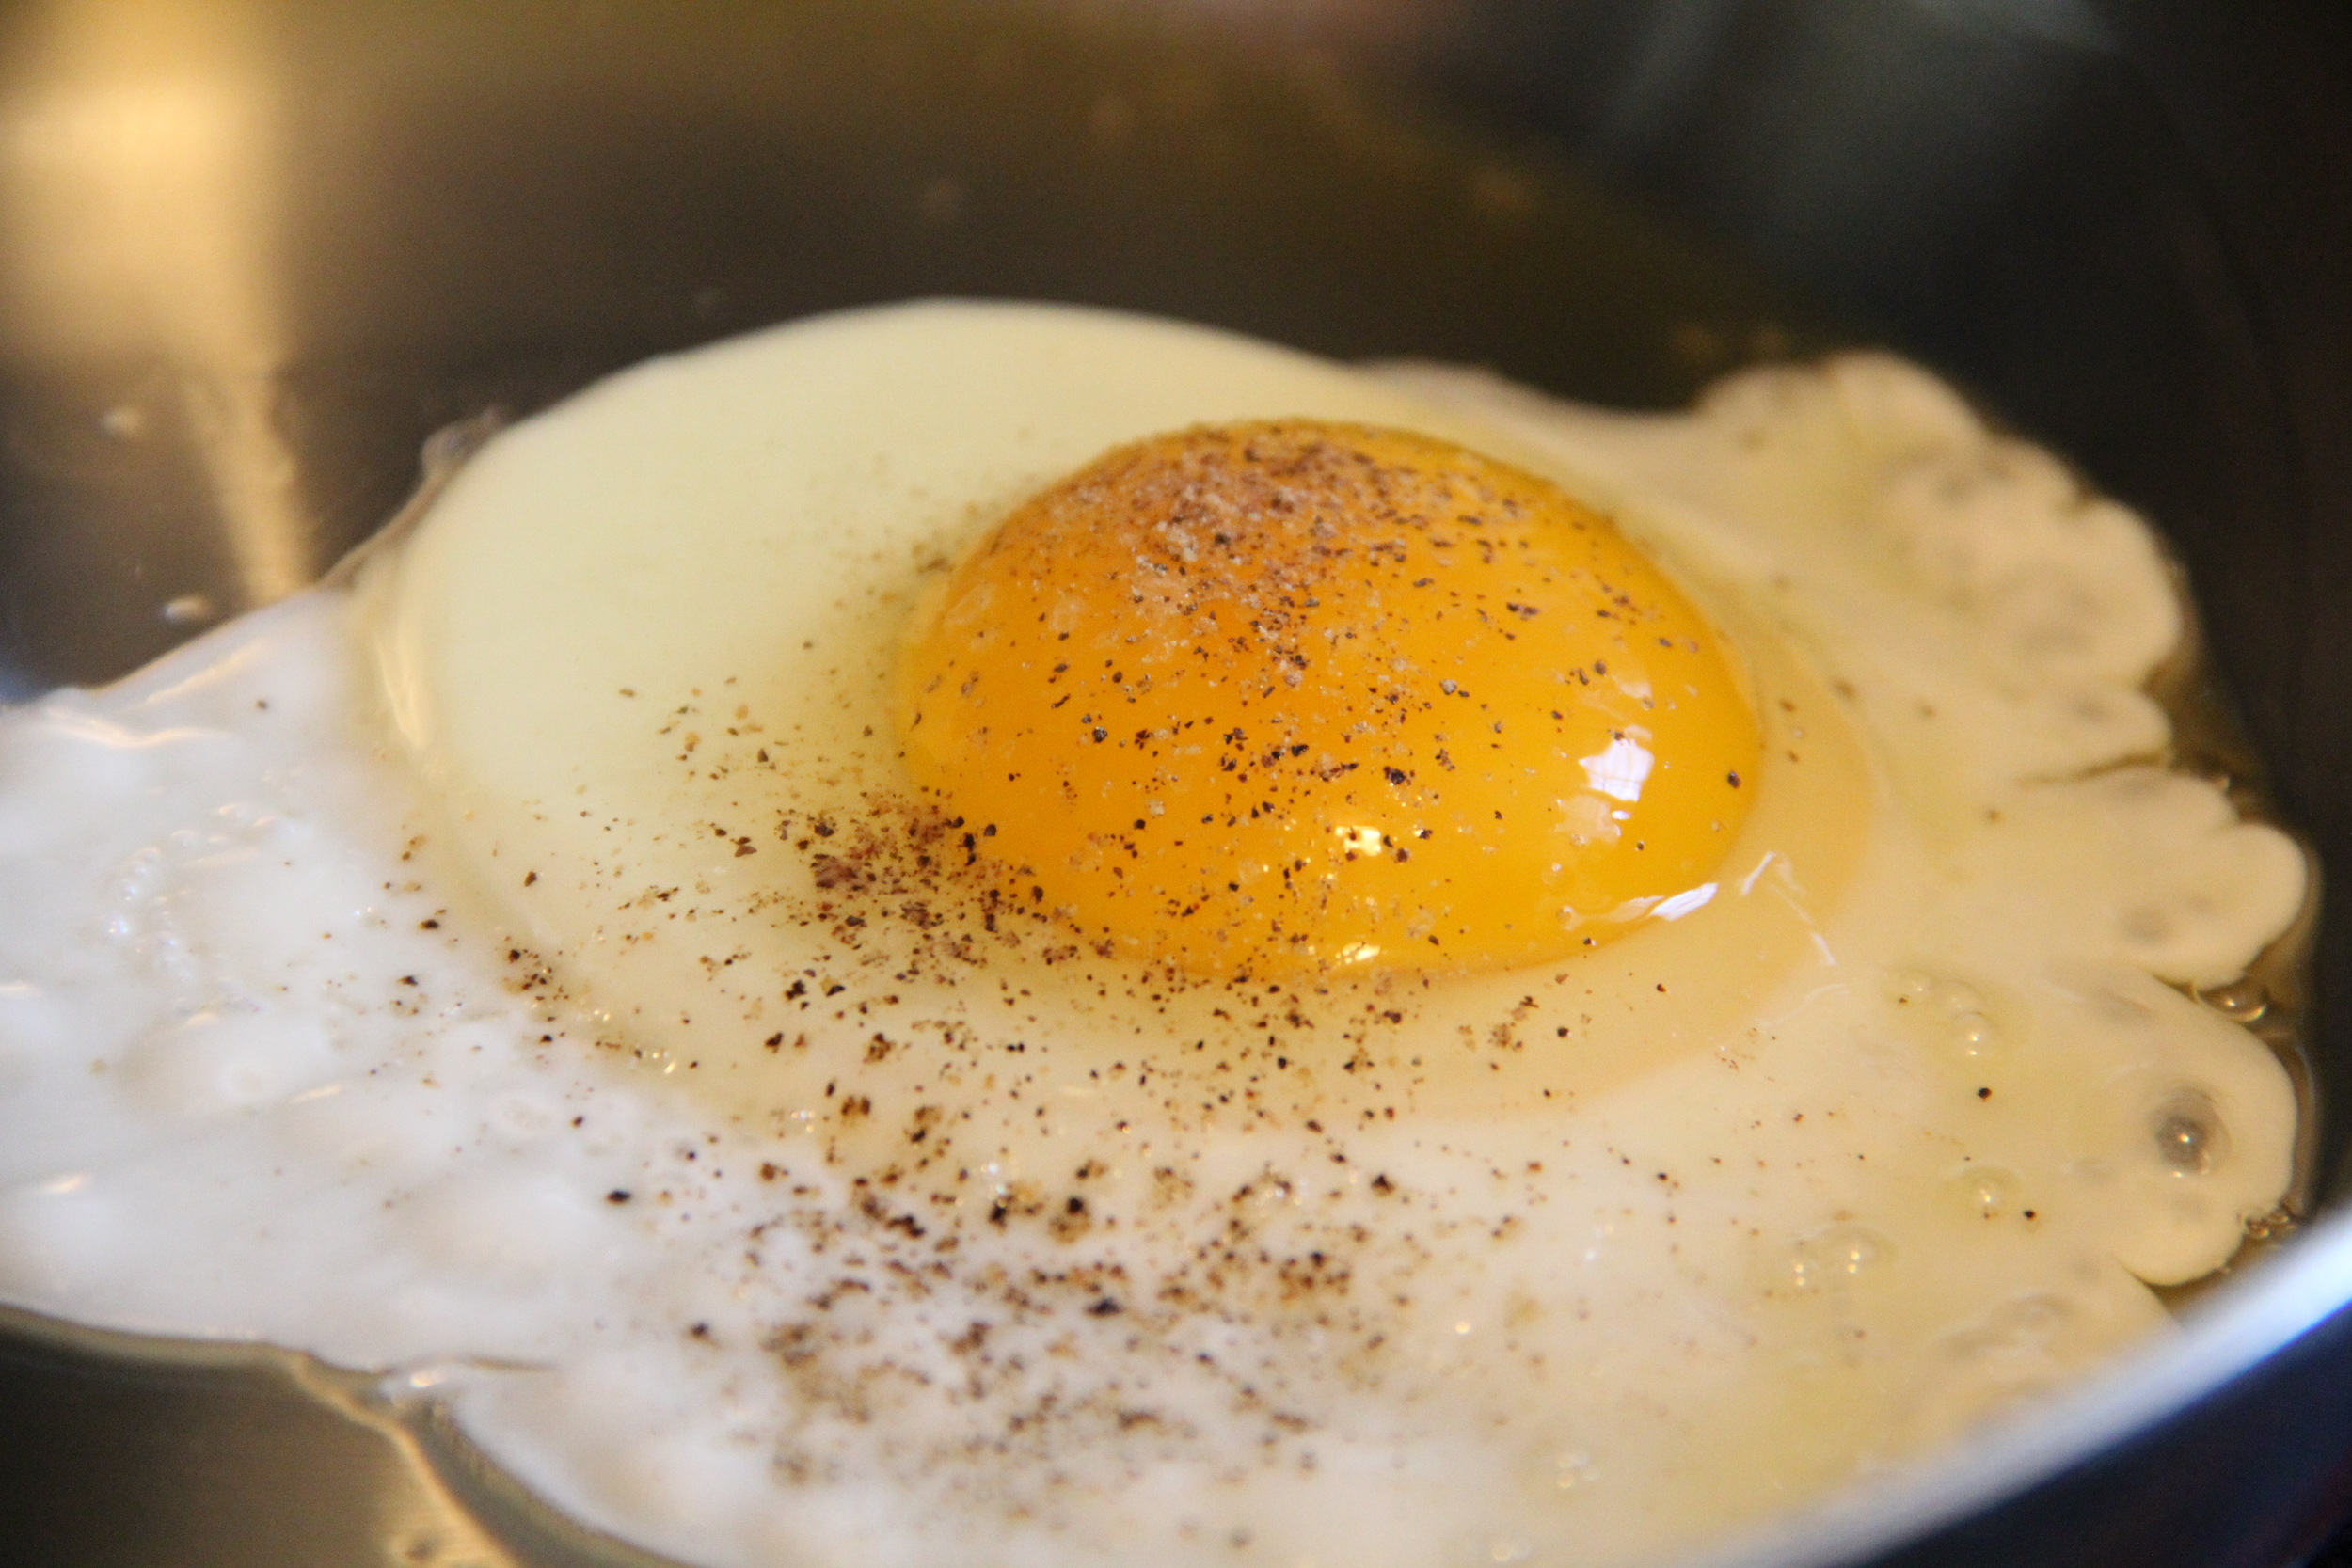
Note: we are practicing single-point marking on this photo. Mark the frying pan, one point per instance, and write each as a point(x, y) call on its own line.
point(253, 254)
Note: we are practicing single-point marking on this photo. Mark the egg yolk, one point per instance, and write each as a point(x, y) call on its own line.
point(1290, 696)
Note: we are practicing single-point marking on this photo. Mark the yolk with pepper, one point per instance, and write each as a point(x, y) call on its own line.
point(1292, 696)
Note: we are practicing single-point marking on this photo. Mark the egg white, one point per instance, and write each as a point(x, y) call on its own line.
point(391, 981)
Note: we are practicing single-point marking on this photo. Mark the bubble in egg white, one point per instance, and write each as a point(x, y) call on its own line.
point(1829, 1259)
point(221, 1060)
point(1992, 1191)
point(2189, 1134)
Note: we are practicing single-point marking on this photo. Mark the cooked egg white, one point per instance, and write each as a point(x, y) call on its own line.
point(537, 974)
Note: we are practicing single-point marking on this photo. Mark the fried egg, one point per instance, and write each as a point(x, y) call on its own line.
point(1013, 934)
